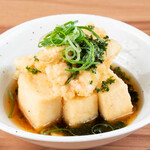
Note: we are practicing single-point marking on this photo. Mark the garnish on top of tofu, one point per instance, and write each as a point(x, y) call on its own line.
point(82, 51)
point(71, 73)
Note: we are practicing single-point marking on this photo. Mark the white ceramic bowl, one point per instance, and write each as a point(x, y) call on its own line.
point(135, 57)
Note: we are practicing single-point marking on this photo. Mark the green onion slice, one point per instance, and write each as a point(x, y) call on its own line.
point(58, 129)
point(101, 124)
point(13, 106)
point(81, 50)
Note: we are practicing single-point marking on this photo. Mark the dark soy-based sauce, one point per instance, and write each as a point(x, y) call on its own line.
point(86, 128)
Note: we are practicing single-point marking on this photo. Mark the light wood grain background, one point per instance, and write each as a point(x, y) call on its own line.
point(133, 12)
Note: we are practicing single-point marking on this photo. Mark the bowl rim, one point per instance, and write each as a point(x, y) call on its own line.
point(84, 138)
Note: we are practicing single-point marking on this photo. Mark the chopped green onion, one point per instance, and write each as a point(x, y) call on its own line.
point(13, 106)
point(91, 81)
point(87, 28)
point(35, 58)
point(32, 70)
point(101, 124)
point(58, 129)
point(72, 76)
point(97, 90)
point(104, 86)
point(121, 74)
point(82, 51)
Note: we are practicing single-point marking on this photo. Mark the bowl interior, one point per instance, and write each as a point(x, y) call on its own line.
point(23, 40)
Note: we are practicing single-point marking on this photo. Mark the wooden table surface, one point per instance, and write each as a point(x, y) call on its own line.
point(133, 12)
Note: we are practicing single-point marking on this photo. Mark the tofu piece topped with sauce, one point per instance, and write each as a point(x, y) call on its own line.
point(116, 102)
point(37, 101)
point(80, 109)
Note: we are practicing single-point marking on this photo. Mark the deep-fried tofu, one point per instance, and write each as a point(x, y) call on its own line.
point(117, 101)
point(80, 110)
point(37, 100)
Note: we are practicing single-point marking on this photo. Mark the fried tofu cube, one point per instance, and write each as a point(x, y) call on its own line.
point(37, 101)
point(56, 73)
point(113, 49)
point(80, 110)
point(116, 102)
point(56, 134)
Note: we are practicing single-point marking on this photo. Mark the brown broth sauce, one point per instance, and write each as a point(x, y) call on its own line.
point(19, 119)
point(17, 116)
